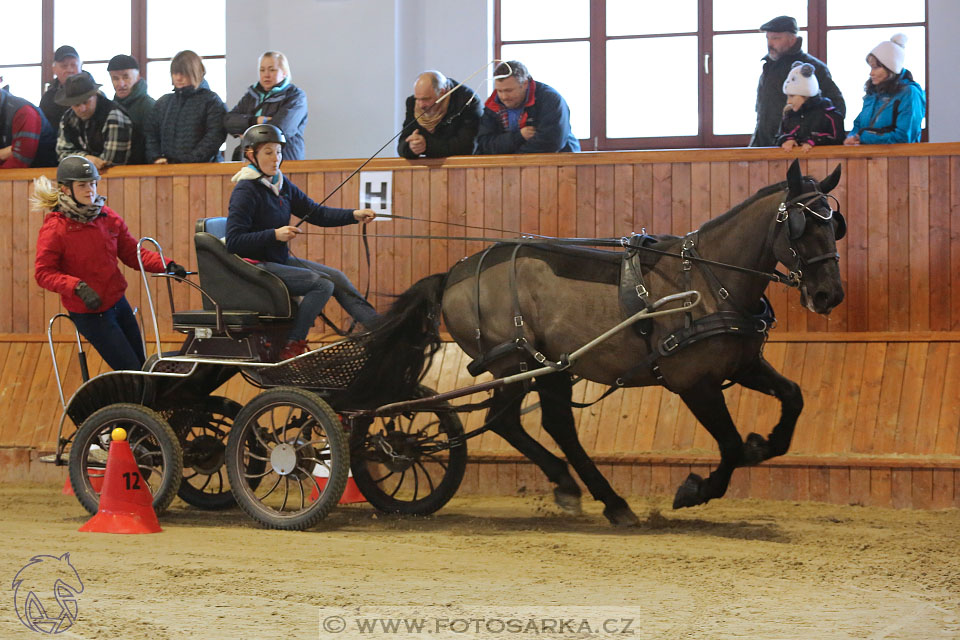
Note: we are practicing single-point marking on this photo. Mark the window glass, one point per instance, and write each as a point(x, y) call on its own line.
point(847, 50)
point(22, 43)
point(737, 65)
point(638, 109)
point(565, 66)
point(739, 15)
point(629, 17)
point(99, 72)
point(852, 12)
point(97, 32)
point(159, 83)
point(24, 82)
point(175, 25)
point(544, 19)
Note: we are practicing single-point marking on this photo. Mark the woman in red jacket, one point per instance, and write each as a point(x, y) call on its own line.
point(77, 251)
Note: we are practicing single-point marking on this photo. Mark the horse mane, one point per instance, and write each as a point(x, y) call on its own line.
point(762, 193)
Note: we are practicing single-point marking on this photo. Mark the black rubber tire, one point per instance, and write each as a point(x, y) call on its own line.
point(149, 435)
point(297, 405)
point(366, 459)
point(214, 415)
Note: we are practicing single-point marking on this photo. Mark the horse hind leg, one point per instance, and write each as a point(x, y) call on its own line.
point(505, 409)
point(765, 379)
point(555, 392)
point(705, 400)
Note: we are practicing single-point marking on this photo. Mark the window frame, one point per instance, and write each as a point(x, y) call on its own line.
point(138, 43)
point(815, 43)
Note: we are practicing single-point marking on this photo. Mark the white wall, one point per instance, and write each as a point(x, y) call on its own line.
point(944, 54)
point(356, 59)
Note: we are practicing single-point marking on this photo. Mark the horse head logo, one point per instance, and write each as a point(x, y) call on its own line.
point(45, 594)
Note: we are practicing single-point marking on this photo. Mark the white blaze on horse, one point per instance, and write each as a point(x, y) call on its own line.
point(518, 305)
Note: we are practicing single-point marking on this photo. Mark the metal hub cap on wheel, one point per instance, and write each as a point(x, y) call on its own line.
point(283, 458)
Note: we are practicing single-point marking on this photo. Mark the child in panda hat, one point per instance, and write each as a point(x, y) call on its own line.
point(809, 119)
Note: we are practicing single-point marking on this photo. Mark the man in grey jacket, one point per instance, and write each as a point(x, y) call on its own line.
point(784, 48)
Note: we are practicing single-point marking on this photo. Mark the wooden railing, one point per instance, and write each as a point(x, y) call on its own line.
point(880, 375)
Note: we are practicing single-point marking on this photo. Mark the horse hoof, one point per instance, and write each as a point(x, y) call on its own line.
point(688, 494)
point(756, 449)
point(568, 502)
point(622, 517)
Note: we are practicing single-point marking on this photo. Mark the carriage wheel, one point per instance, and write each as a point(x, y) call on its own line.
point(153, 443)
point(202, 428)
point(402, 464)
point(278, 441)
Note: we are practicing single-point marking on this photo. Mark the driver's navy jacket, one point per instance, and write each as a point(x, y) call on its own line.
point(69, 251)
point(255, 211)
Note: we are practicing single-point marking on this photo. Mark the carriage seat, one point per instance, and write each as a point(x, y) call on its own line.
point(248, 295)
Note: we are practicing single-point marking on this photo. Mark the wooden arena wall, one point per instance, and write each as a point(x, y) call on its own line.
point(880, 375)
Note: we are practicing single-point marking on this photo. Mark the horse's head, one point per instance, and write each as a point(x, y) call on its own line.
point(806, 243)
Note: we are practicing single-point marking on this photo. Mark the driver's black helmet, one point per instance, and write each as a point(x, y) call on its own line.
point(261, 133)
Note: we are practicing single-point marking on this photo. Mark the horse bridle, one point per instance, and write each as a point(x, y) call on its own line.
point(794, 212)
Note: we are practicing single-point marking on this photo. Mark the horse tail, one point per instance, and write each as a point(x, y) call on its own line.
point(400, 346)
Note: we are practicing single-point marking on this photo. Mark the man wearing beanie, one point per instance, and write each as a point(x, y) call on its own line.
point(894, 104)
point(784, 48)
point(131, 94)
point(66, 63)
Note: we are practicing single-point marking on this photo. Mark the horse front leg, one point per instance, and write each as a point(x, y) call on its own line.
point(705, 400)
point(765, 379)
point(555, 392)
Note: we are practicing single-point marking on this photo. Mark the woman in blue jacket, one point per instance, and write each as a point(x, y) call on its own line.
point(275, 100)
point(258, 228)
point(895, 104)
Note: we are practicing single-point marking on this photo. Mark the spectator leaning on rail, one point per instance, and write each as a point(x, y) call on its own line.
point(524, 116)
point(809, 119)
point(784, 49)
point(274, 99)
point(894, 104)
point(131, 94)
point(26, 137)
point(439, 129)
point(186, 125)
point(66, 63)
point(258, 228)
point(94, 126)
point(77, 251)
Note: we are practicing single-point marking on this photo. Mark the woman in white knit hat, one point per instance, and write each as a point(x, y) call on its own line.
point(895, 104)
point(809, 119)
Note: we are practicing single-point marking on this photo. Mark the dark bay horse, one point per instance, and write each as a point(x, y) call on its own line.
point(564, 297)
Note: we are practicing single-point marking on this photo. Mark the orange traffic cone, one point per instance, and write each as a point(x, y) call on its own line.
point(351, 493)
point(126, 505)
point(96, 481)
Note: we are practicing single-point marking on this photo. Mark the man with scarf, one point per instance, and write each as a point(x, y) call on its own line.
point(437, 127)
point(259, 230)
point(524, 116)
point(77, 251)
point(93, 126)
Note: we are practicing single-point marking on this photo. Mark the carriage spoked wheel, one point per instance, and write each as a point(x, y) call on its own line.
point(281, 441)
point(202, 427)
point(410, 463)
point(153, 443)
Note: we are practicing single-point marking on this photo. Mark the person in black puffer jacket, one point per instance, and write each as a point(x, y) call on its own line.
point(809, 119)
point(186, 125)
point(275, 99)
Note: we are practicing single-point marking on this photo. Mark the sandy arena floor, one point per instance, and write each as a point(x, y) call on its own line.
point(730, 569)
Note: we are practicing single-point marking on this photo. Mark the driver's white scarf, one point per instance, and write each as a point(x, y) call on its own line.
point(250, 172)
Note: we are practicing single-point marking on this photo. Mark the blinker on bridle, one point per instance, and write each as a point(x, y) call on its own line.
point(796, 220)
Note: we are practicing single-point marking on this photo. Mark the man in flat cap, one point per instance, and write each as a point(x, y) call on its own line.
point(784, 48)
point(131, 94)
point(93, 125)
point(66, 63)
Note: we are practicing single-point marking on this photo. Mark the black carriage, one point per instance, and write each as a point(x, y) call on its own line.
point(286, 455)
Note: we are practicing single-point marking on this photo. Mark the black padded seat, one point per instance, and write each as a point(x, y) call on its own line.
point(231, 319)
